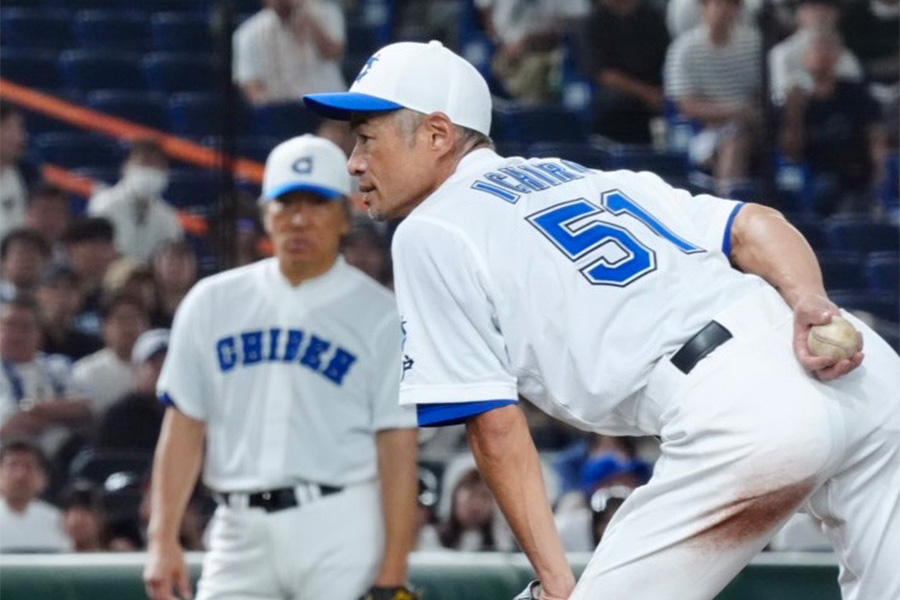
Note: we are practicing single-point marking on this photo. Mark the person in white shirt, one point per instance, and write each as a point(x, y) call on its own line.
point(27, 524)
point(107, 375)
point(786, 65)
point(24, 254)
point(288, 49)
point(141, 217)
point(13, 187)
point(38, 397)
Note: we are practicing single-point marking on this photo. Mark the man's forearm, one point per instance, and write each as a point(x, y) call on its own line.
point(398, 472)
point(764, 243)
point(176, 466)
point(65, 411)
point(508, 461)
point(708, 111)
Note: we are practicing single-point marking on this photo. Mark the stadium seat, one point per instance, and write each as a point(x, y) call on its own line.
point(883, 271)
point(91, 70)
point(362, 39)
point(588, 155)
point(252, 147)
point(889, 190)
point(530, 124)
point(75, 150)
point(36, 28)
point(172, 73)
point(635, 158)
point(284, 120)
point(812, 229)
point(192, 189)
point(34, 68)
point(195, 114)
point(843, 270)
point(179, 32)
point(112, 30)
point(140, 107)
point(105, 175)
point(853, 232)
point(884, 305)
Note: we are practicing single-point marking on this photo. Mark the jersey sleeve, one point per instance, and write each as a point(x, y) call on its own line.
point(331, 19)
point(387, 413)
point(183, 381)
point(248, 54)
point(453, 350)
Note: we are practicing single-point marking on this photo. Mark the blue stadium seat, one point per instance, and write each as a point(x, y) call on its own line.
point(179, 32)
point(530, 124)
point(172, 73)
point(76, 150)
point(889, 192)
point(252, 147)
point(140, 107)
point(284, 120)
point(91, 70)
point(843, 270)
point(34, 68)
point(362, 39)
point(198, 114)
point(588, 155)
point(884, 305)
point(108, 175)
point(36, 28)
point(192, 189)
point(812, 228)
point(853, 232)
point(883, 271)
point(664, 164)
point(112, 30)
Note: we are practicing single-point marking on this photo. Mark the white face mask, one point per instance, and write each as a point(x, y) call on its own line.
point(147, 182)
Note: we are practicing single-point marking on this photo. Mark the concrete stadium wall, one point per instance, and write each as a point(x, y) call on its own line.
point(443, 576)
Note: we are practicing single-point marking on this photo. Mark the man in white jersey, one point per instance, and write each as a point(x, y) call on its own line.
point(288, 370)
point(611, 301)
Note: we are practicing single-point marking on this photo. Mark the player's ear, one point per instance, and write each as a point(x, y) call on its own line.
point(440, 132)
point(265, 214)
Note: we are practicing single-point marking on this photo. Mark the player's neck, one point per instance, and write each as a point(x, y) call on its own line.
point(298, 272)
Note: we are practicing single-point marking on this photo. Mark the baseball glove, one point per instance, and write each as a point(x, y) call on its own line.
point(391, 593)
point(532, 591)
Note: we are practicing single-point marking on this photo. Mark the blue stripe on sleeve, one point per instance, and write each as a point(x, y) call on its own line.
point(436, 415)
point(166, 399)
point(726, 240)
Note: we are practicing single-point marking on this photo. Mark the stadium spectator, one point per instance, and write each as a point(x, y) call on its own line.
point(38, 397)
point(288, 49)
point(468, 515)
point(28, 524)
point(626, 43)
point(89, 245)
point(59, 298)
point(48, 213)
point(786, 64)
point(870, 29)
point(106, 375)
point(684, 15)
point(135, 206)
point(132, 278)
point(528, 35)
point(82, 511)
point(24, 254)
point(133, 422)
point(368, 250)
point(835, 128)
point(15, 174)
point(175, 271)
point(712, 74)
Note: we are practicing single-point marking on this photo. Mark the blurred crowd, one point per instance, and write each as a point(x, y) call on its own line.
point(89, 290)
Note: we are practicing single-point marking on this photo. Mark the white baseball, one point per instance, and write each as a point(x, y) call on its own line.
point(837, 340)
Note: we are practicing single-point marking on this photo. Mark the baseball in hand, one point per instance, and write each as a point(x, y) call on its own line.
point(837, 340)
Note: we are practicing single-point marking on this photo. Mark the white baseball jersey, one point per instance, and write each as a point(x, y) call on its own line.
point(565, 285)
point(291, 381)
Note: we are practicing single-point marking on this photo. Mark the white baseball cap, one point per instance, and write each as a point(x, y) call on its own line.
point(426, 78)
point(306, 163)
point(149, 344)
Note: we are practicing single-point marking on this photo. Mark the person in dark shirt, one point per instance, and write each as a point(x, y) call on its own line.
point(626, 43)
point(834, 128)
point(59, 297)
point(134, 422)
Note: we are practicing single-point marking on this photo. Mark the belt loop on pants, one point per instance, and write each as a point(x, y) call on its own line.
point(277, 499)
point(702, 343)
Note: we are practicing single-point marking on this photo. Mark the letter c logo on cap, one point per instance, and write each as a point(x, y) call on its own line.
point(303, 166)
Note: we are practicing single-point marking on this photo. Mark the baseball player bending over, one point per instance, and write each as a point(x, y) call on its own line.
point(623, 306)
point(288, 370)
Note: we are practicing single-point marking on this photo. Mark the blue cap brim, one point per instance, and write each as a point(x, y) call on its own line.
point(325, 192)
point(341, 105)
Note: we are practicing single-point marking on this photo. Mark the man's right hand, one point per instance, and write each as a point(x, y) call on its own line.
point(165, 569)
